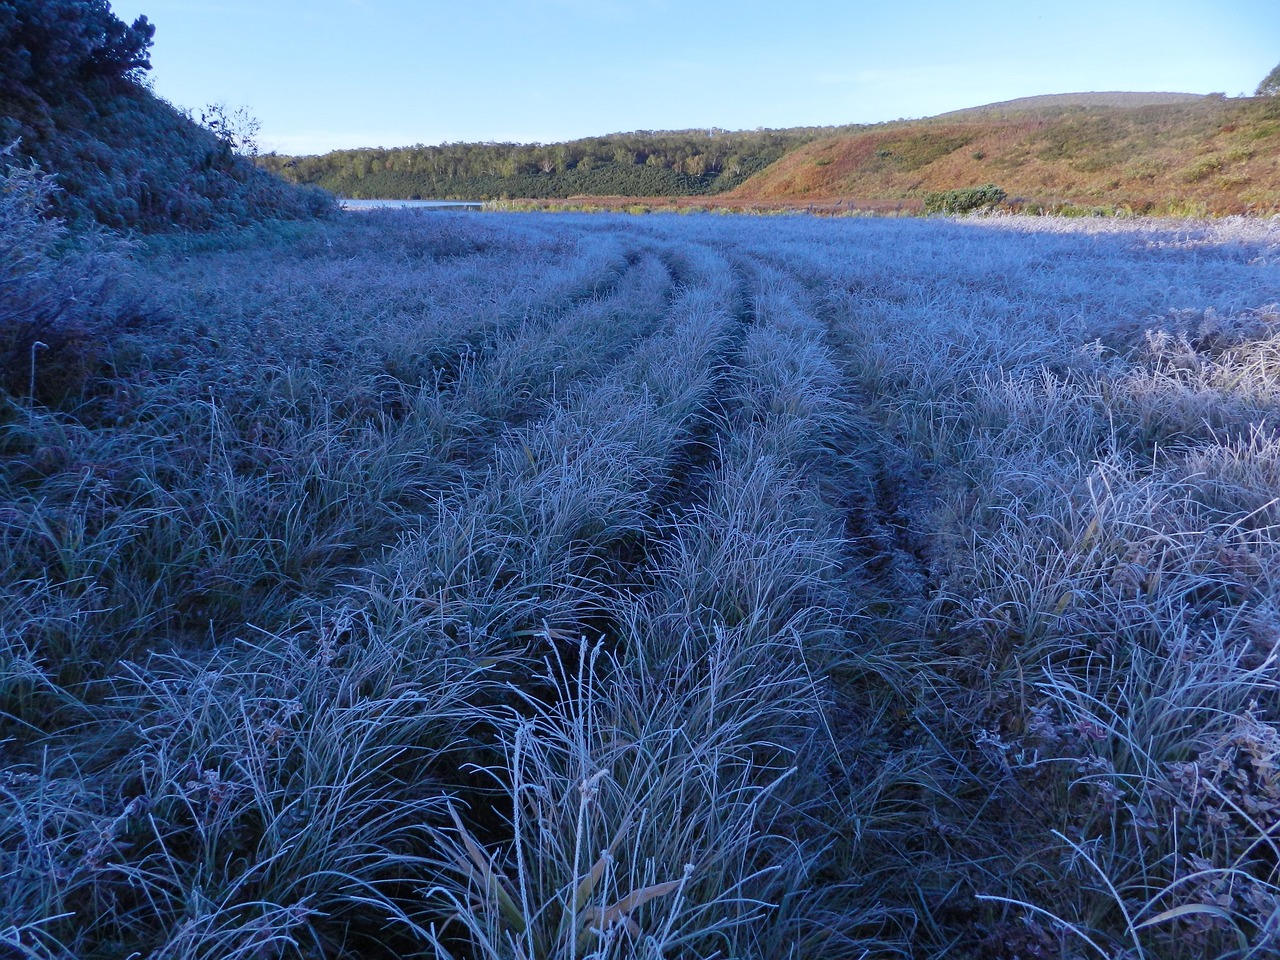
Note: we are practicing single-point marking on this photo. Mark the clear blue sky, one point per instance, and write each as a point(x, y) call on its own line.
point(323, 74)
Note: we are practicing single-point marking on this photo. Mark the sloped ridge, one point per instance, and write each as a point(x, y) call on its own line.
point(128, 160)
point(1204, 155)
point(74, 103)
point(1054, 102)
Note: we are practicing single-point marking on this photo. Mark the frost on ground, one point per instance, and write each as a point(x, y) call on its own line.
point(584, 586)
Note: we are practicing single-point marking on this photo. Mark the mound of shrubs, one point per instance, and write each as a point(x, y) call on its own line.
point(964, 200)
point(71, 96)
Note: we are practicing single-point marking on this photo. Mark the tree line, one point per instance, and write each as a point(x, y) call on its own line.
point(640, 163)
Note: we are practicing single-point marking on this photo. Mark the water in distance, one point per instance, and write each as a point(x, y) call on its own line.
point(410, 204)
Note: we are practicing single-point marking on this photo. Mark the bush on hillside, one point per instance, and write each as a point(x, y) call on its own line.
point(964, 200)
point(43, 43)
point(1270, 85)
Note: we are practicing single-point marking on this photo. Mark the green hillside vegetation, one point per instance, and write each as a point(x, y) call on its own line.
point(1106, 152)
point(74, 101)
point(640, 164)
point(1211, 155)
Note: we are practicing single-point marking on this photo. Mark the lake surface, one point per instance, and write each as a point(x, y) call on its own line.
point(409, 204)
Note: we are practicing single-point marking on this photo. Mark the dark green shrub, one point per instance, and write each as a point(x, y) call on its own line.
point(964, 200)
point(44, 43)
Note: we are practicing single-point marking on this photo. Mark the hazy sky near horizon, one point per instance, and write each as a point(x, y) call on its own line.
point(327, 74)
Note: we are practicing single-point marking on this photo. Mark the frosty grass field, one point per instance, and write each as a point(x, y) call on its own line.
point(550, 586)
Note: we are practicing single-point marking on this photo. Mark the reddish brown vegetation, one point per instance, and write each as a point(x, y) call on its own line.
point(1214, 156)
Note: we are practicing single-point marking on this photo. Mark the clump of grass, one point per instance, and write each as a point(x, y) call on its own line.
point(631, 828)
point(274, 799)
point(54, 294)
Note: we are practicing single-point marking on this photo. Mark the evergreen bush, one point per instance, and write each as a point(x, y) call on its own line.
point(964, 200)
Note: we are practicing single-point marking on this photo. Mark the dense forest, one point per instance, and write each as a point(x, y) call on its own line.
point(641, 164)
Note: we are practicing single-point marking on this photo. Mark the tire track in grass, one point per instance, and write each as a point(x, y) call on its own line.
point(563, 518)
point(869, 479)
point(747, 575)
point(498, 557)
point(882, 766)
point(532, 368)
point(712, 650)
point(550, 531)
point(668, 378)
point(497, 510)
point(883, 487)
point(922, 785)
point(717, 312)
point(513, 545)
point(505, 383)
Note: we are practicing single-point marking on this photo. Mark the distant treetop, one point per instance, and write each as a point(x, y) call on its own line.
point(1270, 85)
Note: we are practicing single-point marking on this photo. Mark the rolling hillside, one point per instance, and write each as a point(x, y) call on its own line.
point(1109, 151)
point(1206, 154)
point(126, 159)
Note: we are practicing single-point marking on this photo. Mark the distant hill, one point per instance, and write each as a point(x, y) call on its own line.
point(1202, 154)
point(1161, 152)
point(1060, 102)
